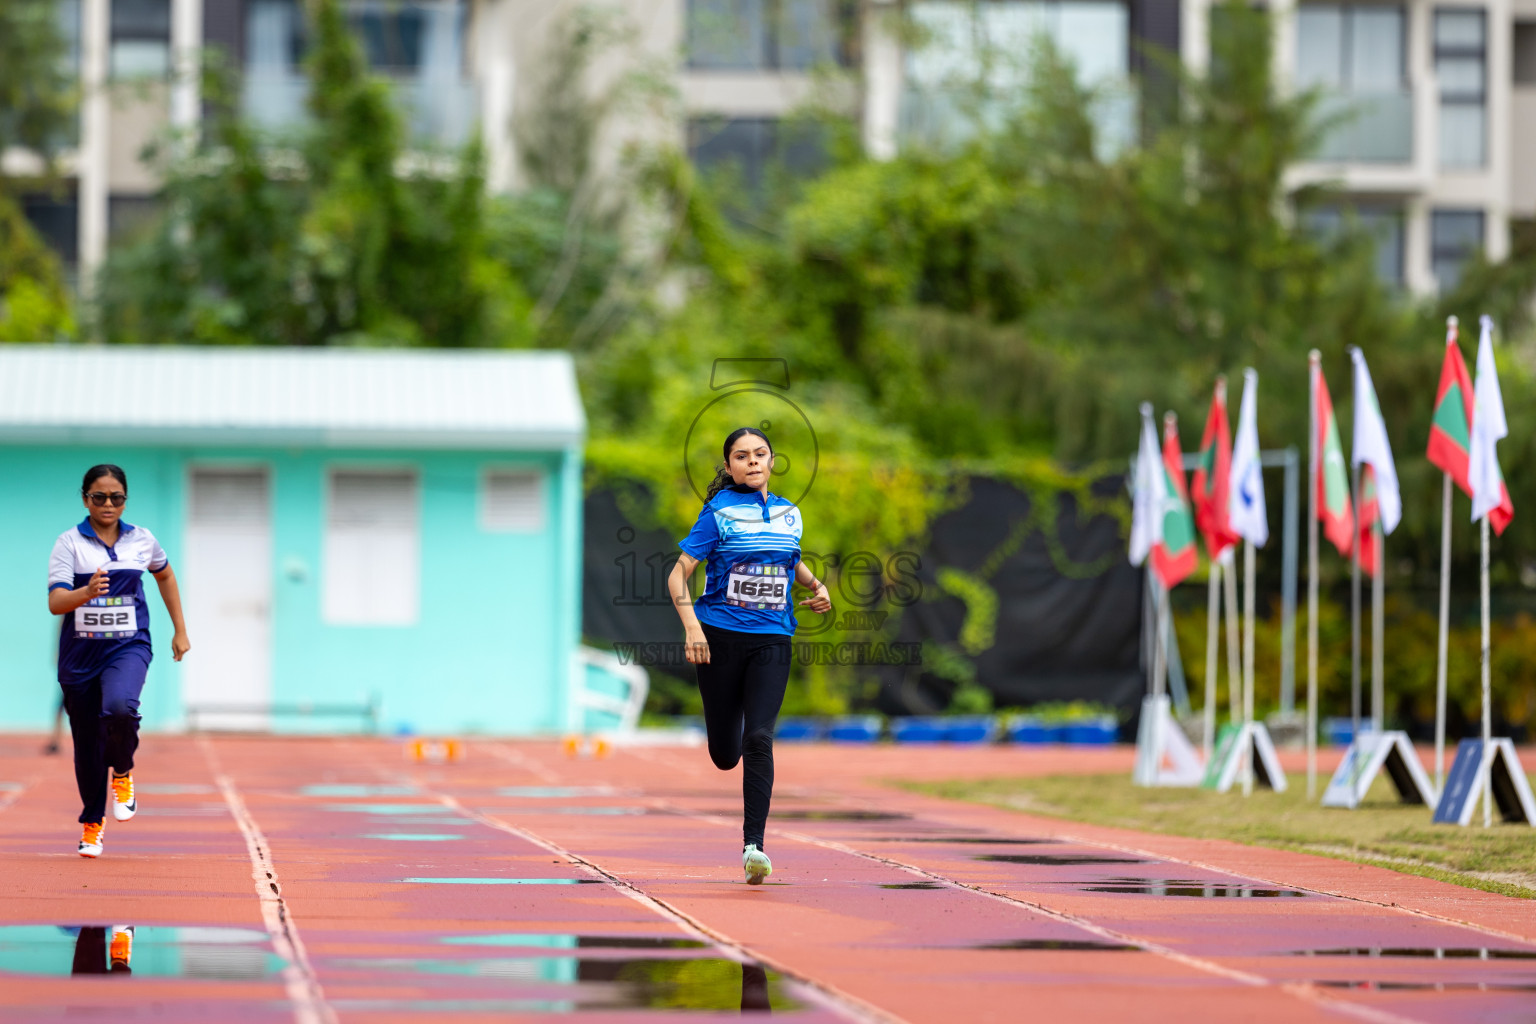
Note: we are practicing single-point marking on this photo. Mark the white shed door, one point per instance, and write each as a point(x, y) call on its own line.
point(227, 587)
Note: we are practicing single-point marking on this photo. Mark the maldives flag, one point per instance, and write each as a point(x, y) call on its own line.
point(1210, 489)
point(1174, 556)
point(1370, 512)
point(1450, 431)
point(1333, 505)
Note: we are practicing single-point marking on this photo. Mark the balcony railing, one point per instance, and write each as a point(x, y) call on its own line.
point(1369, 128)
point(438, 113)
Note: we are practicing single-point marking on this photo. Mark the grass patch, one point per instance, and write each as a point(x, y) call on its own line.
point(1380, 832)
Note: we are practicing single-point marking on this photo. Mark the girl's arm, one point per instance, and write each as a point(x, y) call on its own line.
point(62, 601)
point(819, 601)
point(170, 593)
point(695, 646)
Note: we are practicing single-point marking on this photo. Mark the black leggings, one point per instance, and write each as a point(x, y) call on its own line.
point(743, 687)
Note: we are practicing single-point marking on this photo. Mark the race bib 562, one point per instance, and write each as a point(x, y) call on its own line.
point(764, 587)
point(107, 618)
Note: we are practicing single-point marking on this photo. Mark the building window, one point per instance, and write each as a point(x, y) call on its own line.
point(1461, 67)
point(764, 35)
point(1455, 236)
point(1383, 225)
point(371, 562)
point(141, 39)
point(419, 44)
point(512, 501)
point(752, 147)
point(1525, 53)
point(56, 219)
point(1357, 57)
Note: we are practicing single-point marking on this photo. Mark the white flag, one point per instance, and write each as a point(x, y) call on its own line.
point(1146, 500)
point(1488, 427)
point(1245, 502)
point(1372, 448)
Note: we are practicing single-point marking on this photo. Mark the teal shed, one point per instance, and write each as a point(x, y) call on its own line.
point(390, 529)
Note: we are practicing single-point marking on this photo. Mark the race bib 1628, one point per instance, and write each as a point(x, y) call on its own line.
point(107, 618)
point(764, 587)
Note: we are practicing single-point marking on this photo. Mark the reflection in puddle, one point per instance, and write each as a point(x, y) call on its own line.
point(1428, 986)
point(1072, 945)
point(1057, 859)
point(426, 809)
point(547, 940)
point(147, 951)
point(1189, 887)
point(555, 792)
point(698, 983)
point(1428, 952)
point(340, 790)
point(830, 815)
point(504, 881)
point(978, 840)
point(414, 837)
point(913, 885)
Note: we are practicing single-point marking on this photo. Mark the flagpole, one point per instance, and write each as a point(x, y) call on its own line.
point(1487, 779)
point(1248, 597)
point(1314, 359)
point(1445, 625)
point(1234, 642)
point(1354, 611)
point(1213, 613)
point(1378, 654)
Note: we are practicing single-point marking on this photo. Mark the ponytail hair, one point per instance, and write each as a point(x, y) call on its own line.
point(723, 478)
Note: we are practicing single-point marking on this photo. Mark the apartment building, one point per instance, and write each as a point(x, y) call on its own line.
point(1437, 153)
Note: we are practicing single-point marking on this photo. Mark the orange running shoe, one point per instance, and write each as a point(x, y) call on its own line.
point(125, 804)
point(90, 839)
point(121, 949)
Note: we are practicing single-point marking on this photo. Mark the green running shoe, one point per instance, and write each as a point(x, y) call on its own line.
point(756, 864)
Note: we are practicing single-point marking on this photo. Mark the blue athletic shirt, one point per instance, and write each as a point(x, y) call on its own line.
point(94, 632)
point(752, 547)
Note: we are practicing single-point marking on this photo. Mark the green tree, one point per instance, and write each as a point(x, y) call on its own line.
point(321, 236)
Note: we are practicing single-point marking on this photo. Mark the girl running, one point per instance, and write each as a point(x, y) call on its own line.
point(738, 632)
point(95, 580)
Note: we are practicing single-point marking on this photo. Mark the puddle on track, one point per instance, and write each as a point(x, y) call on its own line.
point(1190, 888)
point(1492, 987)
point(503, 881)
point(1064, 945)
point(556, 792)
point(829, 815)
point(649, 983)
point(425, 810)
point(977, 840)
point(414, 837)
point(228, 954)
point(1424, 952)
point(558, 940)
point(1057, 859)
point(914, 885)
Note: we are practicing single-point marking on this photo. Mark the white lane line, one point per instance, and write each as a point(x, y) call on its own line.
point(299, 979)
point(1302, 991)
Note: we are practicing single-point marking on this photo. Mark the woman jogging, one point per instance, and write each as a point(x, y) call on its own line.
point(95, 580)
point(738, 632)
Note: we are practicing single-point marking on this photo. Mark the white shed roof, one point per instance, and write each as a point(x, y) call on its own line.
point(410, 398)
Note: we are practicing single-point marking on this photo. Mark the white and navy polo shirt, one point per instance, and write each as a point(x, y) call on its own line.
point(752, 546)
point(103, 625)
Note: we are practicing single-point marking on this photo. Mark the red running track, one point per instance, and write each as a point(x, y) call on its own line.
point(322, 879)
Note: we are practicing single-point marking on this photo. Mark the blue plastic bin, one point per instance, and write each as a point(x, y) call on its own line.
point(971, 729)
point(919, 729)
point(1027, 729)
point(1093, 732)
point(798, 730)
point(854, 729)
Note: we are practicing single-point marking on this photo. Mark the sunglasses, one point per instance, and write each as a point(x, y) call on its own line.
point(99, 499)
